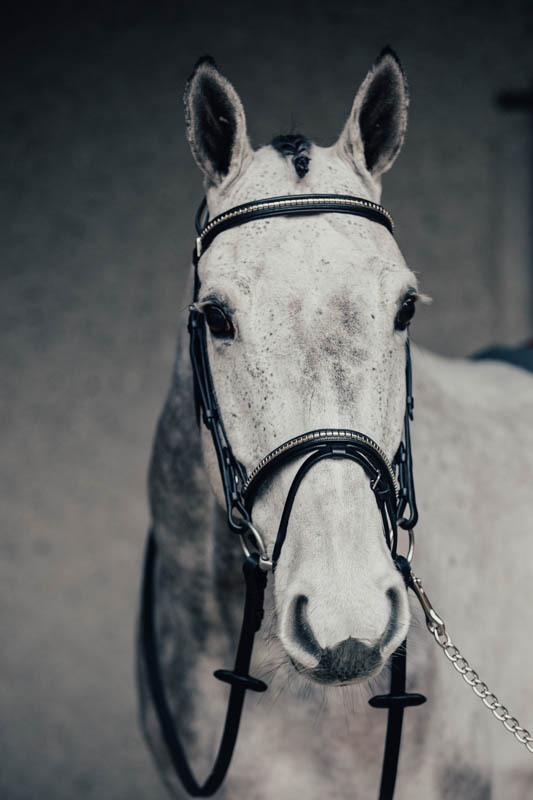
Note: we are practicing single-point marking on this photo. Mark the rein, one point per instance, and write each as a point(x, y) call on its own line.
point(391, 483)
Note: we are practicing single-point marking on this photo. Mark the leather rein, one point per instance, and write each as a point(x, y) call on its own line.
point(391, 482)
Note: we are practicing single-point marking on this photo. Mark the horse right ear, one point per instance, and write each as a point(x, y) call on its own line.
point(216, 124)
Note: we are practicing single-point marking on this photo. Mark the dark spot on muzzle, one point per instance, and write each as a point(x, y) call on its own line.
point(346, 661)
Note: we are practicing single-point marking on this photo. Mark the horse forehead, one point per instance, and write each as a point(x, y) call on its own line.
point(270, 174)
point(316, 258)
point(319, 256)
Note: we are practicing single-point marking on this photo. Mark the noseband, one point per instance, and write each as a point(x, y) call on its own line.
point(391, 483)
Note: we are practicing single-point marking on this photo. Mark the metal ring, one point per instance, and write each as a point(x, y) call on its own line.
point(240, 524)
point(411, 547)
point(264, 561)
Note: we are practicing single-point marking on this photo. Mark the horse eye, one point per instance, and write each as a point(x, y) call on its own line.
point(219, 323)
point(406, 313)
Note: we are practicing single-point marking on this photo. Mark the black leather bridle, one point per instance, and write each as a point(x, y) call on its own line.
point(391, 483)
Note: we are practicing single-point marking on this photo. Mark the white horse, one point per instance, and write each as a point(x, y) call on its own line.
point(308, 341)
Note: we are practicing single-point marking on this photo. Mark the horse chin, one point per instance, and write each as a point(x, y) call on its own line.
point(326, 673)
point(317, 676)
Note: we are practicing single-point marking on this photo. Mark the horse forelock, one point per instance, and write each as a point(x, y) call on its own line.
point(297, 148)
point(272, 171)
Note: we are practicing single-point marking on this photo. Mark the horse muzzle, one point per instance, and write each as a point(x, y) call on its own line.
point(347, 657)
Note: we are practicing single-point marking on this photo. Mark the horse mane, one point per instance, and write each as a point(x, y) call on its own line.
point(295, 146)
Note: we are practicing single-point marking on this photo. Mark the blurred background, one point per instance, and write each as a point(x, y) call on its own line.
point(98, 194)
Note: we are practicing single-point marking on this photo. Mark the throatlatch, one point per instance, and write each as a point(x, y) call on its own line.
point(391, 483)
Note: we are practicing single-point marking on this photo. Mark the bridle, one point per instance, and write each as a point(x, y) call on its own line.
point(240, 489)
point(391, 483)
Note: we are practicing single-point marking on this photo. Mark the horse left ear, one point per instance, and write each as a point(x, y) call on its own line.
point(375, 130)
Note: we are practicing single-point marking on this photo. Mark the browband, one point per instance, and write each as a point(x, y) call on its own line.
point(285, 206)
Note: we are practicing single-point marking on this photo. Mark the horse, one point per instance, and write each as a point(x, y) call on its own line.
point(306, 323)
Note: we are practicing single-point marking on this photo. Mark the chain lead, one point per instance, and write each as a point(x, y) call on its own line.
point(437, 628)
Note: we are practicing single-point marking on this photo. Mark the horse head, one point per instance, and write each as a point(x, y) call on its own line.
point(306, 321)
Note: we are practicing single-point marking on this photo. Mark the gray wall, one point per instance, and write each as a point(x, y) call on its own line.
point(98, 196)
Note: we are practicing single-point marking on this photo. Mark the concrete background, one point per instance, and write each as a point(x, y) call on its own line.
point(98, 193)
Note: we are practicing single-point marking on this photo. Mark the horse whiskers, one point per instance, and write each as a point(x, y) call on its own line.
point(271, 670)
point(270, 636)
point(322, 705)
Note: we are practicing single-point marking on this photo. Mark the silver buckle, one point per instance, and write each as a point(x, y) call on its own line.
point(265, 562)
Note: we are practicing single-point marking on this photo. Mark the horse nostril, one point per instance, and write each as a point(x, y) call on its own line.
point(394, 599)
point(301, 629)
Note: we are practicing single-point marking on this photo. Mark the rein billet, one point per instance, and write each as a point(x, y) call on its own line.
point(393, 487)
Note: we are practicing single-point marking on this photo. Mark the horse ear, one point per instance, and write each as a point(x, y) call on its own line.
point(375, 130)
point(216, 124)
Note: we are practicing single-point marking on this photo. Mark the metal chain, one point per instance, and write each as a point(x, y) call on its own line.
point(480, 688)
point(437, 627)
